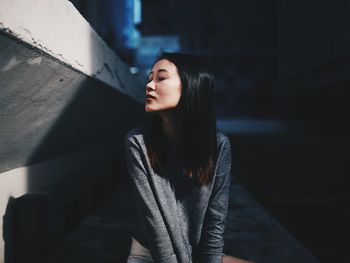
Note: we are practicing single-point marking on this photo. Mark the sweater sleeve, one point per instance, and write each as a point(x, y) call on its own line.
point(212, 240)
point(153, 226)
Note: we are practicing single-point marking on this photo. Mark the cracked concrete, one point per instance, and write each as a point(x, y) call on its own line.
point(62, 89)
point(34, 61)
point(72, 41)
point(12, 63)
point(49, 111)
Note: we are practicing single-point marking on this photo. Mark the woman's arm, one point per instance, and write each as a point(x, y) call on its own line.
point(212, 240)
point(147, 207)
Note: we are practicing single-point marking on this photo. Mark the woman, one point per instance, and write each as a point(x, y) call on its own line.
point(179, 168)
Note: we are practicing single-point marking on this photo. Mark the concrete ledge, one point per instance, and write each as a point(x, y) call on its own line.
point(41, 220)
point(62, 91)
point(56, 28)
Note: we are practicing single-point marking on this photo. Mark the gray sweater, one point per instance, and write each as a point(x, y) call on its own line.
point(177, 220)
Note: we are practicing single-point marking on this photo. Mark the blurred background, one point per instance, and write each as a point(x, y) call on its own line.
point(282, 96)
point(282, 71)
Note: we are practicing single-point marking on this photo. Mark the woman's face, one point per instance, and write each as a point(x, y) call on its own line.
point(163, 90)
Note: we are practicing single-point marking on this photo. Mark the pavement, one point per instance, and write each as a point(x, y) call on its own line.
point(251, 233)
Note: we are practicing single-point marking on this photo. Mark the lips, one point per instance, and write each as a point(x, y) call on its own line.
point(148, 96)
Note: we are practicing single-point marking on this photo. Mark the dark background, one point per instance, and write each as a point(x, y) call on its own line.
point(277, 62)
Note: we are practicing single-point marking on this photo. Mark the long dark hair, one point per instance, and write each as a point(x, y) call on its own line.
point(198, 132)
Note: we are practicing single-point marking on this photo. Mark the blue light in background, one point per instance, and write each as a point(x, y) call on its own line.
point(126, 14)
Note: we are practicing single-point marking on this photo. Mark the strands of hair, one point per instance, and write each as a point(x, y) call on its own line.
point(198, 152)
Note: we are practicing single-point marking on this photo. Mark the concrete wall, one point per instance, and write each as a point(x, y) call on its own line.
point(64, 106)
point(71, 41)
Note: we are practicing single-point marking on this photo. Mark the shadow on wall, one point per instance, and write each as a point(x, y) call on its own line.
point(76, 165)
point(92, 127)
point(8, 230)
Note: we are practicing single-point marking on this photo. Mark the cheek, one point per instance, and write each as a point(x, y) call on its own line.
point(173, 97)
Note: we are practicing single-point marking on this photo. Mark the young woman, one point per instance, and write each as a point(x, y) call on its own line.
point(179, 168)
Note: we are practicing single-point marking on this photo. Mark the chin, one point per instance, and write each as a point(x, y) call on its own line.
point(149, 109)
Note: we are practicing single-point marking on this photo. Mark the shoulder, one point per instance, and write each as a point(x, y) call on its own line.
point(135, 134)
point(224, 147)
point(224, 157)
point(223, 140)
point(138, 133)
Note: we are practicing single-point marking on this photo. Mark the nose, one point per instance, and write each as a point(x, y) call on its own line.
point(150, 86)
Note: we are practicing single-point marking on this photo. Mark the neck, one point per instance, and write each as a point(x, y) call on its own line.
point(171, 124)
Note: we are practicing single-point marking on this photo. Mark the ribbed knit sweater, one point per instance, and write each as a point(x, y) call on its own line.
point(178, 220)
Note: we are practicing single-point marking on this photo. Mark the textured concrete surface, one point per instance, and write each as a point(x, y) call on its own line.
point(44, 68)
point(56, 28)
point(63, 92)
point(104, 236)
point(47, 111)
point(50, 109)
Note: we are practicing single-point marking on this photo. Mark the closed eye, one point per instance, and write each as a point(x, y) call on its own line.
point(159, 79)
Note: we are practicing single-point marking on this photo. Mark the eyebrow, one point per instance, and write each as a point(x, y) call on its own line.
point(159, 70)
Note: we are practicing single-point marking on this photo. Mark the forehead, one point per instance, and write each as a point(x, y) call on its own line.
point(165, 64)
